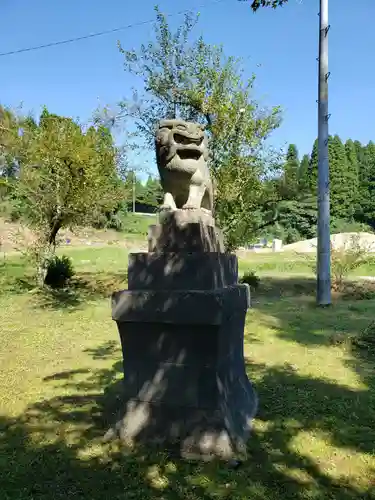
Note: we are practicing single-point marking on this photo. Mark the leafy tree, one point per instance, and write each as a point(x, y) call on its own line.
point(196, 81)
point(65, 176)
point(9, 130)
point(297, 218)
point(256, 4)
point(152, 192)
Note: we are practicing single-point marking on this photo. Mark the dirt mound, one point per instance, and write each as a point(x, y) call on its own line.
point(341, 240)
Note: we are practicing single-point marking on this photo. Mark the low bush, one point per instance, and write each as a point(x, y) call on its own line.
point(347, 259)
point(59, 271)
point(365, 340)
point(251, 279)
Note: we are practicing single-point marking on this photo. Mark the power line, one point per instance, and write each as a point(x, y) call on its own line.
point(98, 33)
point(71, 40)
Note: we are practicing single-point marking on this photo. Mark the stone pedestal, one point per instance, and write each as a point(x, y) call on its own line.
point(181, 324)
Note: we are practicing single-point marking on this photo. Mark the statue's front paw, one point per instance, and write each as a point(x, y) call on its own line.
point(189, 206)
point(166, 208)
point(206, 211)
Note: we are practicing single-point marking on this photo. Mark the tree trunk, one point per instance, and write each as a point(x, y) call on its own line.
point(47, 252)
point(42, 265)
point(54, 229)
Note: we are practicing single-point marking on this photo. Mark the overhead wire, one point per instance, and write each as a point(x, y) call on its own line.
point(101, 33)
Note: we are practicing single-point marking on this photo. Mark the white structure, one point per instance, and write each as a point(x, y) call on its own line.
point(277, 245)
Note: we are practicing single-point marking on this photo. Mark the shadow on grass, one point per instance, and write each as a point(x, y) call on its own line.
point(291, 301)
point(17, 279)
point(279, 287)
point(296, 286)
point(84, 288)
point(300, 321)
point(345, 415)
point(55, 449)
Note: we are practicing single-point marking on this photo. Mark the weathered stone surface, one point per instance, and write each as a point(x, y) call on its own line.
point(183, 218)
point(177, 306)
point(178, 271)
point(184, 381)
point(185, 231)
point(181, 156)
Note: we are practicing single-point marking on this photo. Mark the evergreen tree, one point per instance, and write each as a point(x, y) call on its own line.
point(296, 212)
point(360, 152)
point(297, 218)
point(363, 170)
point(341, 193)
point(313, 168)
point(363, 174)
point(303, 174)
point(352, 174)
point(291, 169)
point(340, 189)
point(366, 209)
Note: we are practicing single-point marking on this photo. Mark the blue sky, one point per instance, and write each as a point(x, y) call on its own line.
point(279, 46)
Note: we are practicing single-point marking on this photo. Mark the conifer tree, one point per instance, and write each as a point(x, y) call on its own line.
point(289, 181)
point(341, 190)
point(313, 170)
point(367, 185)
point(303, 174)
point(352, 174)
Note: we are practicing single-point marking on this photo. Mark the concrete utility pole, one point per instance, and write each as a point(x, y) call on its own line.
point(134, 179)
point(323, 296)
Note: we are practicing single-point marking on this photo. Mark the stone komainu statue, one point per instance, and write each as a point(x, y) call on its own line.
point(182, 159)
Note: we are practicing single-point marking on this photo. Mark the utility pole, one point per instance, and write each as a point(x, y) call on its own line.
point(323, 295)
point(133, 191)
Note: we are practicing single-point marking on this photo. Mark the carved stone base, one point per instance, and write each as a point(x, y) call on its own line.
point(179, 271)
point(181, 325)
point(185, 231)
point(185, 383)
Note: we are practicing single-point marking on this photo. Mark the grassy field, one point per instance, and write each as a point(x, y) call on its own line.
point(60, 363)
point(292, 263)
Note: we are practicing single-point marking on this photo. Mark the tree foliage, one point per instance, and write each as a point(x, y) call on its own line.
point(256, 4)
point(343, 178)
point(366, 208)
point(197, 81)
point(289, 181)
point(9, 133)
point(66, 174)
point(352, 189)
point(152, 193)
point(303, 174)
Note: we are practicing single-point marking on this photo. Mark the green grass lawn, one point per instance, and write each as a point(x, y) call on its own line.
point(136, 224)
point(60, 363)
point(292, 263)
